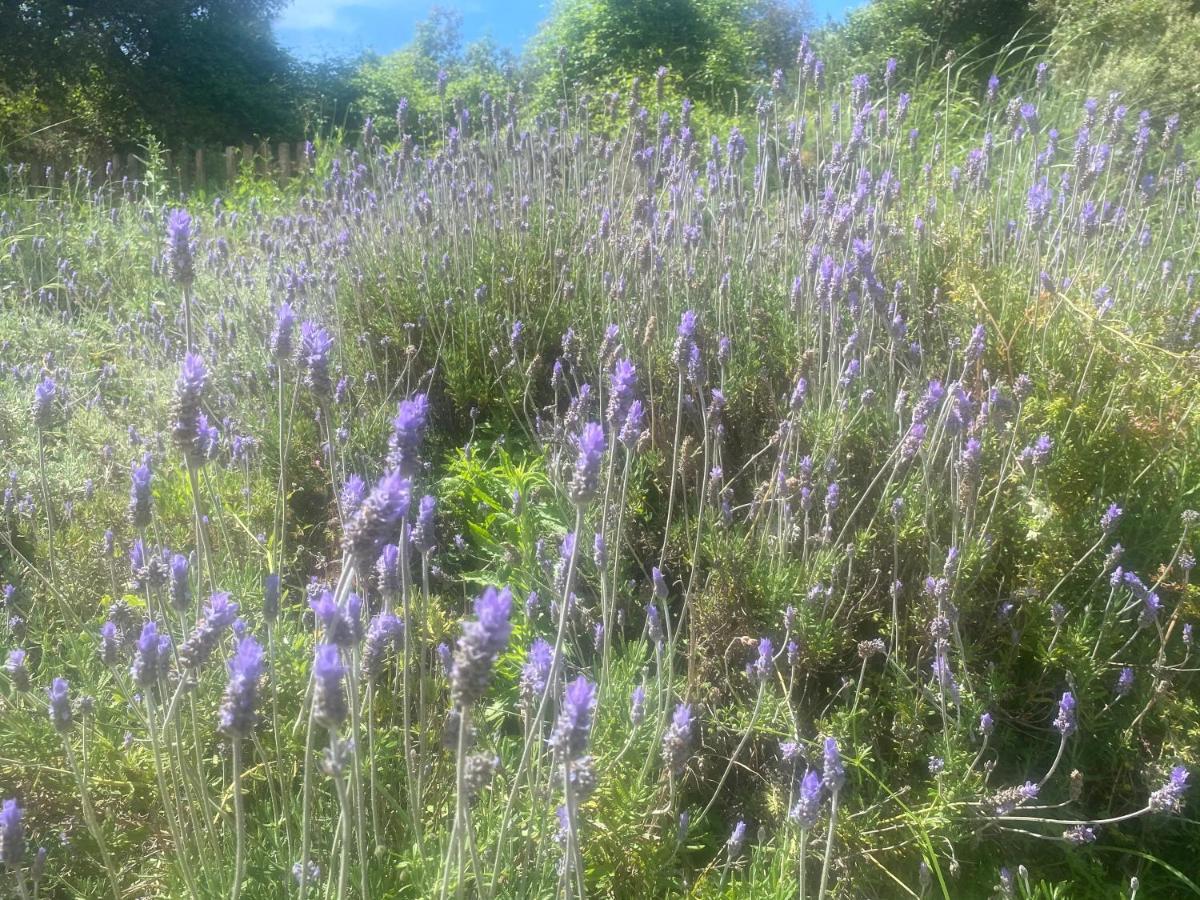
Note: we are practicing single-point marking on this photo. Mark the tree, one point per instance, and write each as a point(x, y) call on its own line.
point(185, 70)
point(717, 49)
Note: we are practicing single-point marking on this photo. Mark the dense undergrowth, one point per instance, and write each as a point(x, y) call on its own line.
point(614, 511)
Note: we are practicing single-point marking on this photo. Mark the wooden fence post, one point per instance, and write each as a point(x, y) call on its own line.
point(199, 180)
point(230, 167)
point(285, 162)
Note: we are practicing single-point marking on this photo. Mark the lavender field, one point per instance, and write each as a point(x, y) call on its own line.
point(599, 504)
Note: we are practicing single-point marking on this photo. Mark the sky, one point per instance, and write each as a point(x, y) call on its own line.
point(313, 29)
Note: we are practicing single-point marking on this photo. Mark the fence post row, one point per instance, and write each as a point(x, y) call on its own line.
point(187, 167)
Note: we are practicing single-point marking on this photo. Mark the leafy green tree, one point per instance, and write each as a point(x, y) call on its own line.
point(109, 71)
point(921, 31)
point(411, 76)
point(717, 51)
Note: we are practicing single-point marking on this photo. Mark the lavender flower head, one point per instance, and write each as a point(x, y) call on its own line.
point(280, 342)
point(12, 834)
point(677, 740)
point(139, 496)
point(17, 670)
point(660, 583)
point(237, 714)
point(622, 388)
point(586, 481)
point(60, 705)
point(179, 247)
point(536, 671)
point(408, 430)
point(188, 425)
point(377, 521)
point(834, 775)
point(1111, 516)
point(808, 803)
point(1124, 682)
point(198, 648)
point(986, 724)
point(43, 403)
point(1169, 797)
point(387, 570)
point(737, 840)
point(315, 344)
point(424, 532)
point(151, 656)
point(384, 632)
point(637, 706)
point(759, 670)
point(179, 585)
point(483, 640)
point(570, 735)
point(1065, 722)
point(329, 695)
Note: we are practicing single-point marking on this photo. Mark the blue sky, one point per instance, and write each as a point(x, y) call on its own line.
point(316, 28)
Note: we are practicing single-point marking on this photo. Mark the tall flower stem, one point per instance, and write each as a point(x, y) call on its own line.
point(343, 795)
point(833, 808)
point(762, 690)
point(168, 803)
point(543, 703)
point(89, 815)
point(239, 822)
point(49, 507)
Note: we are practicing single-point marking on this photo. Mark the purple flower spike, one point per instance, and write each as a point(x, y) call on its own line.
point(60, 705)
point(384, 632)
point(139, 496)
point(834, 775)
point(1169, 797)
point(329, 696)
point(482, 641)
point(760, 669)
point(586, 481)
point(189, 426)
point(151, 656)
point(408, 431)
point(1065, 720)
point(1111, 516)
point(237, 714)
point(280, 344)
point(12, 834)
point(219, 614)
point(179, 247)
point(377, 520)
point(677, 740)
point(43, 403)
point(536, 671)
point(315, 344)
point(660, 583)
point(808, 804)
point(574, 725)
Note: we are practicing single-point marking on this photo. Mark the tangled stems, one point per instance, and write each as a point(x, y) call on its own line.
point(173, 822)
point(89, 814)
point(758, 701)
point(543, 702)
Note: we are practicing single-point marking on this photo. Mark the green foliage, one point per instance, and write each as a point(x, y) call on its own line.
point(919, 32)
point(107, 73)
point(412, 73)
point(1147, 49)
point(718, 49)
